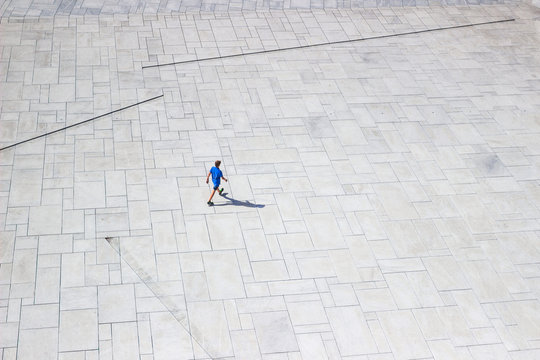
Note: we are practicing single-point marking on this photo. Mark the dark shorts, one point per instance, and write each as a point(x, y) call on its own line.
point(216, 186)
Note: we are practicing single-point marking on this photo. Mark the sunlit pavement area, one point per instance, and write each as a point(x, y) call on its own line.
point(383, 198)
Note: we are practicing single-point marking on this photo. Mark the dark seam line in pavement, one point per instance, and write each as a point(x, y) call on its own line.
point(326, 43)
point(80, 123)
point(109, 240)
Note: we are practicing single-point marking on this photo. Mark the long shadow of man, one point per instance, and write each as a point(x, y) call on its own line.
point(235, 202)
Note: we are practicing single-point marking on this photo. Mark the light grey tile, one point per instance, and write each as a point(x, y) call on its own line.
point(351, 331)
point(45, 220)
point(116, 303)
point(38, 344)
point(208, 324)
point(275, 332)
point(224, 232)
point(223, 275)
point(78, 330)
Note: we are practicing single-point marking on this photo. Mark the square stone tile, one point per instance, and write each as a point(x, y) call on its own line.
point(78, 330)
point(116, 303)
point(275, 332)
point(223, 275)
point(45, 220)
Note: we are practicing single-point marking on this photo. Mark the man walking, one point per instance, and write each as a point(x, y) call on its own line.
point(216, 179)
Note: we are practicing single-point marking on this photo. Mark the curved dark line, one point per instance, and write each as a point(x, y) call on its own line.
point(79, 123)
point(326, 43)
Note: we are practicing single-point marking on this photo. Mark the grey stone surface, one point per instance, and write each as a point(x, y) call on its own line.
point(383, 199)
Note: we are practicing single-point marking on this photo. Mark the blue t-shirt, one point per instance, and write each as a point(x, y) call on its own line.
point(216, 175)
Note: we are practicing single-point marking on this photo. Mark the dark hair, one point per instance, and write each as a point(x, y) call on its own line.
point(217, 163)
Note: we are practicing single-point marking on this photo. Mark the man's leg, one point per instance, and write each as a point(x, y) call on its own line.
point(212, 195)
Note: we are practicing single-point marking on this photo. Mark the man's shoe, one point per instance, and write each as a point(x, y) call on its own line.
point(221, 191)
point(210, 203)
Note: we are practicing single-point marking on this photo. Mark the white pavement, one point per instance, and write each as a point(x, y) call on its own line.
point(383, 203)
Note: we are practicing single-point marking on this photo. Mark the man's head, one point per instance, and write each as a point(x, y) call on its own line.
point(217, 163)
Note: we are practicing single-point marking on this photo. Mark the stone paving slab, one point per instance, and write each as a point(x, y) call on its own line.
point(18, 8)
point(383, 198)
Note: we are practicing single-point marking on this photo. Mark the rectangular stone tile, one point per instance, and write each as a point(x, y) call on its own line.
point(370, 223)
point(225, 231)
point(78, 330)
point(344, 266)
point(39, 316)
point(271, 220)
point(405, 239)
point(164, 237)
point(267, 156)
point(307, 313)
point(430, 323)
point(163, 194)
point(485, 282)
point(128, 155)
point(256, 245)
point(205, 144)
point(116, 303)
point(170, 340)
point(111, 222)
point(376, 299)
point(349, 133)
point(194, 200)
point(240, 188)
point(25, 188)
point(73, 221)
point(38, 344)
point(456, 327)
point(274, 332)
point(55, 244)
point(402, 290)
point(89, 195)
point(397, 323)
point(526, 316)
point(324, 231)
point(264, 181)
point(295, 242)
point(197, 235)
point(245, 344)
point(288, 207)
point(317, 267)
point(79, 298)
point(45, 220)
point(326, 184)
point(7, 244)
point(138, 252)
point(208, 325)
point(24, 266)
point(487, 351)
point(395, 202)
point(312, 346)
point(472, 309)
point(351, 332)
point(125, 341)
point(223, 275)
point(115, 182)
point(168, 267)
point(139, 215)
point(47, 285)
point(195, 286)
point(445, 273)
point(425, 290)
point(10, 334)
point(72, 270)
point(270, 270)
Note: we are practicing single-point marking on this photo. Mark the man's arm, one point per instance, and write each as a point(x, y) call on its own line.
point(208, 176)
